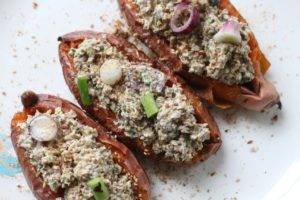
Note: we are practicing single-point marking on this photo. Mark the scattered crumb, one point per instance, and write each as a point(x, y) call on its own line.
point(35, 5)
point(213, 173)
point(237, 180)
point(250, 142)
point(20, 33)
point(4, 93)
point(254, 149)
point(274, 119)
point(103, 18)
point(92, 26)
point(272, 46)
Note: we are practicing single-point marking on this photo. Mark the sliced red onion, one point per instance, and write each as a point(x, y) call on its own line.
point(229, 33)
point(190, 23)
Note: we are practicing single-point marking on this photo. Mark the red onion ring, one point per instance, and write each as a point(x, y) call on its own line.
point(189, 24)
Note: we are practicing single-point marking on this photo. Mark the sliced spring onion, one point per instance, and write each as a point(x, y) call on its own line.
point(149, 104)
point(82, 84)
point(43, 128)
point(111, 72)
point(99, 188)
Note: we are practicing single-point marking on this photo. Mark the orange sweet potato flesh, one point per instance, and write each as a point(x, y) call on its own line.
point(256, 95)
point(108, 118)
point(121, 154)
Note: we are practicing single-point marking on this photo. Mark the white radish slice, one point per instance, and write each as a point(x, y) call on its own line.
point(43, 128)
point(111, 72)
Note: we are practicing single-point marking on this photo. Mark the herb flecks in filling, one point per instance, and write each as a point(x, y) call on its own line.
point(173, 132)
point(225, 62)
point(74, 158)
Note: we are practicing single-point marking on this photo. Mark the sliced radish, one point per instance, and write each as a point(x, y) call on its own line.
point(111, 72)
point(229, 33)
point(43, 128)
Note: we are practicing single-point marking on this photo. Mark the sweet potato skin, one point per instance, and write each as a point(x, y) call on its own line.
point(107, 118)
point(122, 155)
point(213, 91)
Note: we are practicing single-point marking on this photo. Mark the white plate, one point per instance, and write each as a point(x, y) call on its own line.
point(269, 168)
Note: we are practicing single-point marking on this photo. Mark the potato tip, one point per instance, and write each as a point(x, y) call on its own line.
point(29, 98)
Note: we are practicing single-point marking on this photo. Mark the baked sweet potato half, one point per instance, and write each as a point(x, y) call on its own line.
point(144, 105)
point(209, 44)
point(60, 149)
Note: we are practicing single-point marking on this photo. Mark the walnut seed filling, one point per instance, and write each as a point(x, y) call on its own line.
point(171, 128)
point(228, 63)
point(73, 158)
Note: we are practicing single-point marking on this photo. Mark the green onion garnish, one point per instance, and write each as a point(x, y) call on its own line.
point(82, 84)
point(149, 104)
point(100, 190)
